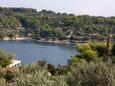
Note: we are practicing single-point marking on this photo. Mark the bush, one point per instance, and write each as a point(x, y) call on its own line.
point(42, 63)
point(63, 69)
point(2, 82)
point(95, 73)
point(34, 75)
point(5, 58)
point(51, 68)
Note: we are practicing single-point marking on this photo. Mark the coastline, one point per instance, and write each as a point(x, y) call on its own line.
point(19, 38)
point(55, 42)
point(42, 40)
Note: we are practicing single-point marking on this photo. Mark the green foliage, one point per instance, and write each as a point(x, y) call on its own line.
point(2, 82)
point(74, 59)
point(113, 53)
point(51, 69)
point(9, 26)
point(62, 69)
point(83, 47)
point(5, 58)
point(90, 51)
point(42, 63)
point(86, 52)
point(113, 50)
point(95, 73)
point(89, 55)
point(16, 10)
point(22, 21)
point(101, 49)
point(9, 74)
point(36, 76)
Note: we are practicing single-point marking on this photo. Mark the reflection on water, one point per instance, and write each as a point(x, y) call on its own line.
point(30, 51)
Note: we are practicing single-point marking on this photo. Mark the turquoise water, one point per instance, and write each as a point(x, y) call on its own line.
point(31, 51)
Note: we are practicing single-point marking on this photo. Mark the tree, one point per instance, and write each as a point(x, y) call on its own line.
point(86, 52)
point(51, 69)
point(113, 50)
point(5, 59)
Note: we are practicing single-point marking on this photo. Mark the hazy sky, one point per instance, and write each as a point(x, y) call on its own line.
point(78, 7)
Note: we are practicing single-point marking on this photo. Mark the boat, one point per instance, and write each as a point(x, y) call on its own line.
point(15, 64)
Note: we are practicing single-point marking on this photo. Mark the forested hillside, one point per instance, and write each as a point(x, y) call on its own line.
point(51, 25)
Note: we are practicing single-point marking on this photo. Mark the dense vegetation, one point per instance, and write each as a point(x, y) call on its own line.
point(89, 68)
point(5, 58)
point(93, 66)
point(48, 24)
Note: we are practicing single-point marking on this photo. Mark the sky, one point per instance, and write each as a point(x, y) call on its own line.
point(77, 7)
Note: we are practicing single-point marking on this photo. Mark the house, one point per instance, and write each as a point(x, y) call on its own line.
point(6, 38)
point(29, 34)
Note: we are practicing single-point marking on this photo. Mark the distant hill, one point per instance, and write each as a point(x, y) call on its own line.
point(16, 10)
point(51, 25)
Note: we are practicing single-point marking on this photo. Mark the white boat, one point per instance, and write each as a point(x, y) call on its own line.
point(15, 64)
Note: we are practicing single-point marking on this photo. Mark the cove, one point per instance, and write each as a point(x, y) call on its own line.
point(29, 51)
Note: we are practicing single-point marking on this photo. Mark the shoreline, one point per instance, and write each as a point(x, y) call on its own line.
point(42, 41)
point(54, 42)
point(19, 38)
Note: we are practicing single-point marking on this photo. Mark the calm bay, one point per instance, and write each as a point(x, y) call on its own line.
point(29, 51)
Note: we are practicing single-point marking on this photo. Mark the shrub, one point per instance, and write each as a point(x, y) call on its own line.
point(42, 63)
point(5, 58)
point(95, 73)
point(63, 69)
point(51, 68)
point(39, 77)
point(2, 82)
